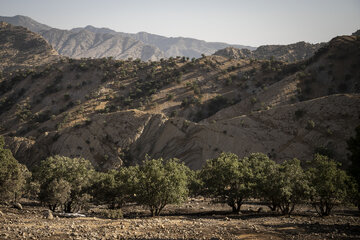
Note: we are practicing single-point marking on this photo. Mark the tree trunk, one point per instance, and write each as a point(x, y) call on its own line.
point(67, 207)
point(152, 212)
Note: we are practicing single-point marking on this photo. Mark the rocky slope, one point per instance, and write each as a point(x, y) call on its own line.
point(21, 48)
point(288, 53)
point(113, 112)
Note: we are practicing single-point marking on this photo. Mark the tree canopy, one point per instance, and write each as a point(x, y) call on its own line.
point(12, 175)
point(160, 182)
point(77, 173)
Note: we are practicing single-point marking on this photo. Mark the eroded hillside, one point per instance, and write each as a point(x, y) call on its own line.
point(113, 112)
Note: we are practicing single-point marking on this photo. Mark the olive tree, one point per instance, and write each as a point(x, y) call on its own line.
point(330, 185)
point(160, 182)
point(13, 175)
point(75, 172)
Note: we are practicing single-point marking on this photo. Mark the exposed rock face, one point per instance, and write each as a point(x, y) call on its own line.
point(21, 48)
point(288, 53)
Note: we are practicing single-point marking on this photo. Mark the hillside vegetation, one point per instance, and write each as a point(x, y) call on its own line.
point(114, 112)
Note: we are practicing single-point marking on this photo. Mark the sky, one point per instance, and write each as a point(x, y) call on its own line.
point(245, 22)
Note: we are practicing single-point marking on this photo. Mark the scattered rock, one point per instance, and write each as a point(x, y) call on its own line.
point(48, 214)
point(260, 210)
point(1, 214)
point(18, 206)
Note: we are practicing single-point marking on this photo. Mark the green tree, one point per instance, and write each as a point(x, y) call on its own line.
point(12, 175)
point(160, 183)
point(77, 172)
point(224, 179)
point(330, 185)
point(56, 193)
point(115, 187)
point(354, 157)
point(287, 186)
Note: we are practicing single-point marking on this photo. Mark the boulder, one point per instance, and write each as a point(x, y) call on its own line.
point(48, 214)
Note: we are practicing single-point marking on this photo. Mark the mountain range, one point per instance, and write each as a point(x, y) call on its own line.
point(103, 42)
point(114, 112)
point(92, 42)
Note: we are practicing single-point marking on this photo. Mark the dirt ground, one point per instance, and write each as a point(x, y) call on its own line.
point(195, 219)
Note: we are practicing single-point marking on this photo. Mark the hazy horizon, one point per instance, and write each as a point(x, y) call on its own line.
point(251, 23)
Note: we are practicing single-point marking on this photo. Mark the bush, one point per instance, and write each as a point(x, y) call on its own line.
point(310, 125)
point(114, 214)
point(160, 183)
point(299, 113)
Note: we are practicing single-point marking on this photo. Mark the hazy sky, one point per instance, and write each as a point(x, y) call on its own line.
point(251, 22)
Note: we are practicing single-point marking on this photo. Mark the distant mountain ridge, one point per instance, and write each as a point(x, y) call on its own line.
point(26, 22)
point(104, 42)
point(84, 44)
point(288, 53)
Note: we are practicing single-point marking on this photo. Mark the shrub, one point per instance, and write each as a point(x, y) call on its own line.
point(114, 214)
point(170, 96)
point(253, 100)
point(310, 125)
point(299, 113)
